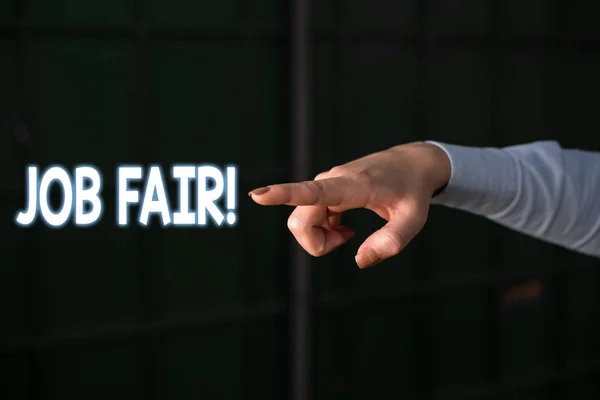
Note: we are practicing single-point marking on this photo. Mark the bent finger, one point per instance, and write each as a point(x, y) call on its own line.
point(310, 227)
point(333, 219)
point(388, 241)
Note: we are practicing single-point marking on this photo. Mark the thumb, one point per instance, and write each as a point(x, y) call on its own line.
point(388, 241)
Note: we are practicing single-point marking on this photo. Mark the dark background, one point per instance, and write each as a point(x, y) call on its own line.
point(208, 313)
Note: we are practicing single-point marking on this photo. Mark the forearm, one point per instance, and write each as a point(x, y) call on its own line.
point(538, 189)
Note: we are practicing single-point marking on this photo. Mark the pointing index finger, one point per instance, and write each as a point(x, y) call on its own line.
point(337, 192)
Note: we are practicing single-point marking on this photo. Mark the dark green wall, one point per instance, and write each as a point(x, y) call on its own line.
point(186, 313)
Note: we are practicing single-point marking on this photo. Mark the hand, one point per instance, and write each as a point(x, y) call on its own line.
point(397, 184)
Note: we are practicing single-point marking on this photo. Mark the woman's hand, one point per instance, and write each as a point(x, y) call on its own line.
point(397, 184)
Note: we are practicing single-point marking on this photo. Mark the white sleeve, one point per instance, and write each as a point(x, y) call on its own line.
point(539, 189)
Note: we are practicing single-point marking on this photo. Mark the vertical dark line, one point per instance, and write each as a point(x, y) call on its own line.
point(300, 290)
point(32, 261)
point(251, 357)
point(559, 317)
point(22, 106)
point(147, 259)
point(496, 245)
point(559, 304)
point(421, 313)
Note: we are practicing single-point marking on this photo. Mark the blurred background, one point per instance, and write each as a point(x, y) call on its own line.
point(287, 89)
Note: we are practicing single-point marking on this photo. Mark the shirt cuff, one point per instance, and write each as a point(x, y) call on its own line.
point(481, 179)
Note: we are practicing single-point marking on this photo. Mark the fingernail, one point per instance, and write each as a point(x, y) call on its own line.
point(259, 191)
point(367, 258)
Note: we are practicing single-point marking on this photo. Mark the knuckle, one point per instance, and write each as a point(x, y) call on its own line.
point(416, 210)
point(294, 223)
point(363, 175)
point(322, 175)
point(364, 178)
point(410, 210)
point(337, 170)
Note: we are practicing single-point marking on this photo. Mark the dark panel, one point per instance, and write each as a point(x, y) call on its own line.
point(10, 169)
point(209, 365)
point(8, 12)
point(266, 369)
point(389, 14)
point(373, 103)
point(390, 275)
point(266, 243)
point(460, 243)
point(202, 105)
point(458, 17)
point(581, 22)
point(15, 383)
point(325, 13)
point(459, 341)
point(526, 338)
point(533, 17)
point(364, 352)
point(81, 102)
point(333, 362)
point(583, 318)
point(525, 90)
point(531, 394)
point(585, 388)
point(192, 12)
point(73, 11)
point(268, 12)
point(199, 270)
point(91, 373)
point(380, 97)
point(88, 277)
point(581, 102)
point(385, 344)
point(458, 94)
point(13, 287)
point(399, 16)
point(325, 109)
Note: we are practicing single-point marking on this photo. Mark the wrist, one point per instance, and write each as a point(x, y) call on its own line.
point(436, 165)
point(429, 163)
